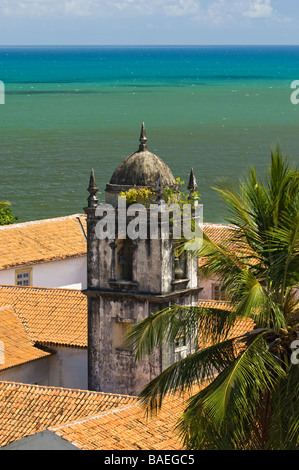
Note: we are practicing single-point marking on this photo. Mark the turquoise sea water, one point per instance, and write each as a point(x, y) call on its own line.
point(68, 109)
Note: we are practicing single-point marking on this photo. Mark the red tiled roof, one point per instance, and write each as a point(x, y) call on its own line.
point(42, 240)
point(17, 348)
point(49, 316)
point(218, 233)
point(129, 428)
point(225, 235)
point(28, 409)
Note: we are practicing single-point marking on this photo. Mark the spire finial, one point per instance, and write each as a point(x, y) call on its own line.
point(92, 189)
point(143, 139)
point(192, 186)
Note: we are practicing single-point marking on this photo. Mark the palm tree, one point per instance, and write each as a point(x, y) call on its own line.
point(250, 399)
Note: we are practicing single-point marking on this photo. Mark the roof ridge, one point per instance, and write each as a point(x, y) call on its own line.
point(41, 221)
point(6, 307)
point(112, 411)
point(71, 390)
point(89, 418)
point(58, 289)
point(220, 225)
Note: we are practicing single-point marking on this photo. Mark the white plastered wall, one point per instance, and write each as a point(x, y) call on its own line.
point(69, 273)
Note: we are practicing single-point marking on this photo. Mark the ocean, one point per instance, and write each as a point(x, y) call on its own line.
point(216, 109)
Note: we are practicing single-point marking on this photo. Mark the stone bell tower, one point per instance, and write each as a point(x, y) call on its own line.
point(129, 277)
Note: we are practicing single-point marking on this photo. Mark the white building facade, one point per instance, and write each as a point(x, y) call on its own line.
point(44, 253)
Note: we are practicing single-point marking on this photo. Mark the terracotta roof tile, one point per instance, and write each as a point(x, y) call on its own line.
point(28, 409)
point(218, 232)
point(240, 327)
point(49, 316)
point(18, 349)
point(128, 428)
point(42, 240)
point(221, 304)
point(224, 234)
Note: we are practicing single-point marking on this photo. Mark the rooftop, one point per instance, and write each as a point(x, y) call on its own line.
point(28, 409)
point(49, 316)
point(228, 236)
point(129, 428)
point(18, 349)
point(219, 233)
point(41, 241)
point(90, 420)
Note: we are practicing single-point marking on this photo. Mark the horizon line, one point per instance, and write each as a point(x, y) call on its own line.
point(149, 45)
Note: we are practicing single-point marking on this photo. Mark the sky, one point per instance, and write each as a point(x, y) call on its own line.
point(148, 22)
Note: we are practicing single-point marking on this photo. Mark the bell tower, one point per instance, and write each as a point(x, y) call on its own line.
point(132, 272)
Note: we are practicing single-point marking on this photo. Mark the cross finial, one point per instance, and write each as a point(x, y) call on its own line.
point(143, 139)
point(92, 189)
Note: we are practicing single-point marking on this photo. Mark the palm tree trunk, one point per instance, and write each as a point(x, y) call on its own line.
point(264, 419)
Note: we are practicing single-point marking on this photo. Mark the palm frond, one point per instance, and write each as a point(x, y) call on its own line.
point(284, 244)
point(163, 327)
point(284, 422)
point(183, 375)
point(257, 303)
point(229, 402)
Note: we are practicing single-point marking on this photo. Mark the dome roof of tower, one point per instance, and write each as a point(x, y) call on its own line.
point(142, 168)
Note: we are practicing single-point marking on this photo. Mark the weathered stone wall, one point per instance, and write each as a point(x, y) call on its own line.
point(112, 367)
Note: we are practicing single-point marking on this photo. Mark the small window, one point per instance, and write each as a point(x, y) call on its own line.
point(23, 278)
point(218, 292)
point(180, 340)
